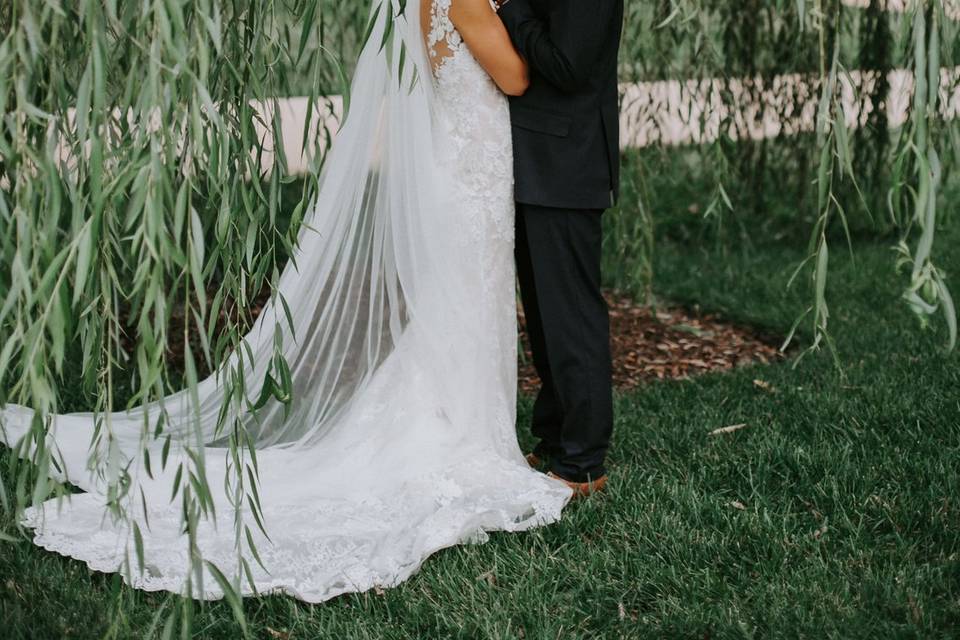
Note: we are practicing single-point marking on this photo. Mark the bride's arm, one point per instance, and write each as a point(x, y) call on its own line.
point(488, 40)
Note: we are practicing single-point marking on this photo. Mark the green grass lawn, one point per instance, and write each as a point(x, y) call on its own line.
point(847, 492)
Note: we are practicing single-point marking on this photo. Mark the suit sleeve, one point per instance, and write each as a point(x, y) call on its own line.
point(564, 47)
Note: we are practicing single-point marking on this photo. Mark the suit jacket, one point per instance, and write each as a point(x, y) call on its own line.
point(566, 136)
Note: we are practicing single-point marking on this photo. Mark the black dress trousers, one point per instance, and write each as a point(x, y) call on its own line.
point(558, 265)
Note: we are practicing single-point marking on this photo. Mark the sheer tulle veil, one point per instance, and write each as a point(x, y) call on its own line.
point(373, 270)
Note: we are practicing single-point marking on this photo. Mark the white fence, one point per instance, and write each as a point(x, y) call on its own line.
point(678, 112)
point(674, 112)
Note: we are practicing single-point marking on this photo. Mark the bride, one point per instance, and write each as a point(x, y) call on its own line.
point(399, 438)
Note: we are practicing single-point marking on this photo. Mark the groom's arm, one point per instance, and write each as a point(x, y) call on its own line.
point(565, 48)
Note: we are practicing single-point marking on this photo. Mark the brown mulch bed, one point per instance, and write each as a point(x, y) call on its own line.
point(647, 343)
point(668, 343)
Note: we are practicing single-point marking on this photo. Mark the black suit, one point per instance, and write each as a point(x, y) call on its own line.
point(566, 126)
point(566, 150)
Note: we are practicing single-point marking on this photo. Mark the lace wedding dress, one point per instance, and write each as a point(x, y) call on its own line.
point(400, 439)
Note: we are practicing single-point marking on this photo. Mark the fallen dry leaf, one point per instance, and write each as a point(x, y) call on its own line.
point(489, 578)
point(819, 533)
point(725, 430)
point(915, 612)
point(766, 386)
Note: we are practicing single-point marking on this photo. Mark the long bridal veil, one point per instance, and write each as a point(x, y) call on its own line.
point(371, 266)
point(398, 437)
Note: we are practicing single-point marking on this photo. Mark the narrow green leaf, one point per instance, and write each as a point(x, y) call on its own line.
point(230, 594)
point(138, 546)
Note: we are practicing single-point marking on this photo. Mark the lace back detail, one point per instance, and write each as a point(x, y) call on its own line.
point(443, 39)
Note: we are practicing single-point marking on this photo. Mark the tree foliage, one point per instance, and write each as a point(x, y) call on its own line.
point(138, 191)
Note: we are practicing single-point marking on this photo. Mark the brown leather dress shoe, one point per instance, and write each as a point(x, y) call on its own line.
point(582, 489)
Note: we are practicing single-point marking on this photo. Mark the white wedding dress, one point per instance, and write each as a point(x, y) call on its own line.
point(401, 437)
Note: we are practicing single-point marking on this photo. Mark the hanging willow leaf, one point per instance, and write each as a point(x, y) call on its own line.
point(253, 548)
point(306, 28)
point(230, 593)
point(949, 311)
point(371, 24)
point(138, 546)
point(821, 281)
point(86, 246)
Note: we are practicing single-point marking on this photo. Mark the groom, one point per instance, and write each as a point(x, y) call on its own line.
point(566, 149)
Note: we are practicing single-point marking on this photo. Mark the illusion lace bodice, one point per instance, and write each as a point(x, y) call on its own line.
point(476, 116)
